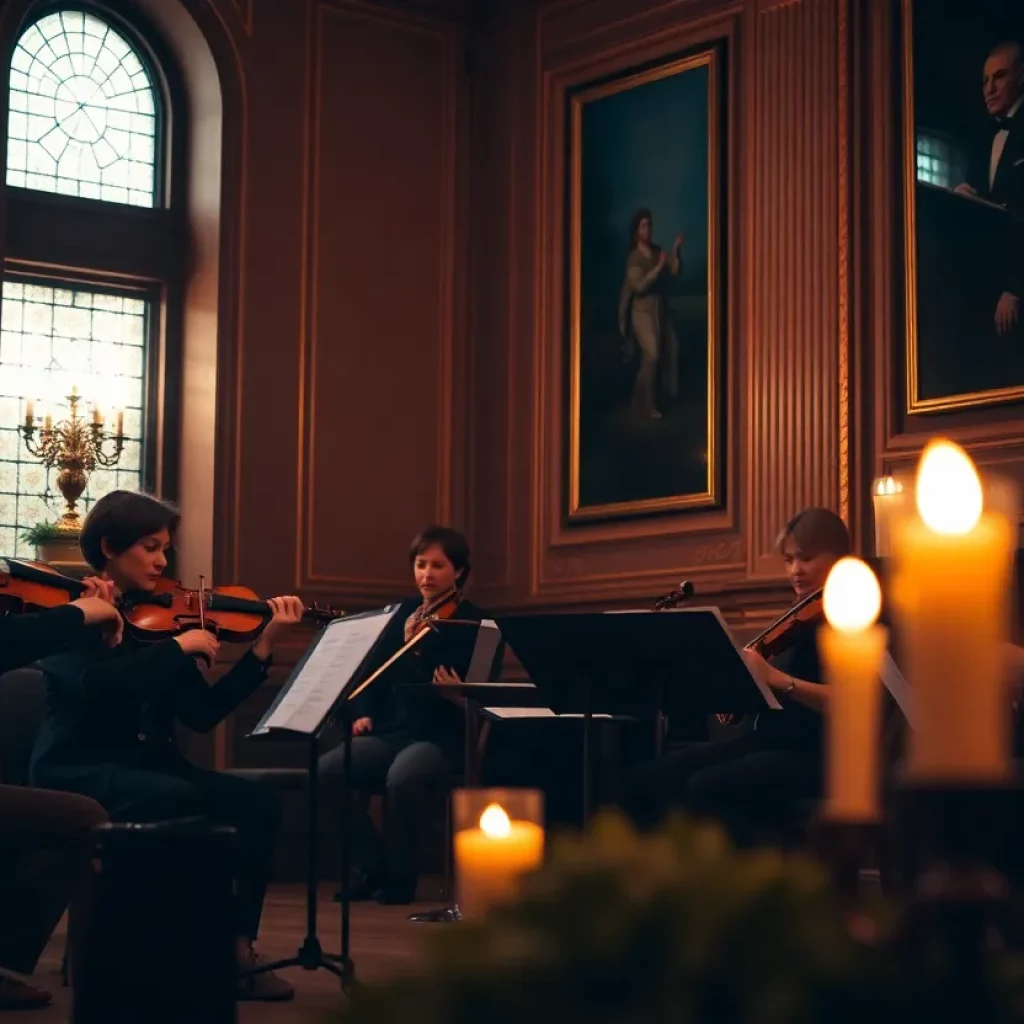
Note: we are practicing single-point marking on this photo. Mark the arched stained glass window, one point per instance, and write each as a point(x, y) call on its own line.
point(83, 112)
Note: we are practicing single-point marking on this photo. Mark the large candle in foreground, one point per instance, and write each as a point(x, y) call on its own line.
point(493, 847)
point(953, 569)
point(852, 646)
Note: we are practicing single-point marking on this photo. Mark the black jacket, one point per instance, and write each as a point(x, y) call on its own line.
point(27, 638)
point(408, 707)
point(107, 707)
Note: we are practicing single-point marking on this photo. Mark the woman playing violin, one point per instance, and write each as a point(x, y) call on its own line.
point(407, 739)
point(109, 731)
point(751, 780)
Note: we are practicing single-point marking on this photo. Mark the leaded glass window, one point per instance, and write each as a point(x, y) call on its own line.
point(83, 115)
point(53, 337)
point(939, 161)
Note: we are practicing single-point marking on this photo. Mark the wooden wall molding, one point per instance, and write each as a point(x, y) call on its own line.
point(790, 390)
point(350, 380)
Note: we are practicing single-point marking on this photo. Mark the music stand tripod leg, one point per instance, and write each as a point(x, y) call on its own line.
point(311, 956)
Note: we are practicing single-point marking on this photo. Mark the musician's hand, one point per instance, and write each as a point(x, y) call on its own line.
point(1007, 313)
point(763, 672)
point(103, 589)
point(725, 719)
point(965, 190)
point(198, 643)
point(99, 611)
point(445, 676)
point(678, 243)
point(361, 725)
point(287, 612)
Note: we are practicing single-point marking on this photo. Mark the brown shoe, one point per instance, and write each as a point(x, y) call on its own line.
point(266, 986)
point(19, 995)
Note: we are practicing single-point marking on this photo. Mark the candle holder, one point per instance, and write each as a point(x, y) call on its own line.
point(76, 448)
point(499, 838)
point(962, 906)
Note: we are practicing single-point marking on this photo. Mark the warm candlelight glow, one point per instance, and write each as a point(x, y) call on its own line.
point(495, 846)
point(886, 496)
point(953, 572)
point(494, 823)
point(852, 596)
point(948, 490)
point(888, 485)
point(30, 409)
point(851, 648)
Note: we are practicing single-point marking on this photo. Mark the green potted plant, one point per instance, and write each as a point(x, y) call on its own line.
point(672, 928)
point(53, 545)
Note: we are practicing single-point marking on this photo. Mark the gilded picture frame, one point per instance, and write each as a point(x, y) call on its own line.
point(961, 233)
point(637, 447)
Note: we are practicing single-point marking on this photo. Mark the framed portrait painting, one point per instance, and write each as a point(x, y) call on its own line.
point(963, 178)
point(645, 277)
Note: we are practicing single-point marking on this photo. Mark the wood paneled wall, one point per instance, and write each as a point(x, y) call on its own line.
point(789, 246)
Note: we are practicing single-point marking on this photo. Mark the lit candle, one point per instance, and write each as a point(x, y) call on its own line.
point(887, 493)
point(951, 589)
point(30, 410)
point(48, 421)
point(120, 422)
point(491, 859)
point(851, 647)
point(97, 414)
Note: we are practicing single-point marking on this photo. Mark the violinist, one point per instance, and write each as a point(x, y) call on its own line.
point(407, 740)
point(749, 781)
point(109, 731)
point(45, 839)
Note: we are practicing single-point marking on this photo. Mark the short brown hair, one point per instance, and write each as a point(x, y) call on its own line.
point(816, 530)
point(123, 518)
point(451, 542)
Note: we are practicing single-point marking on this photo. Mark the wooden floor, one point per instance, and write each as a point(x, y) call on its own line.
point(384, 943)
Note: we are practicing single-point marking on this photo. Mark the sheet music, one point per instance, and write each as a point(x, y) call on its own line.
point(488, 636)
point(896, 683)
point(342, 648)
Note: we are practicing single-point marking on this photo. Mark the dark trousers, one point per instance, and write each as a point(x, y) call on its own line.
point(742, 782)
point(409, 772)
point(185, 791)
point(45, 864)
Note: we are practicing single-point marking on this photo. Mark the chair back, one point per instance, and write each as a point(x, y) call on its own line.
point(22, 707)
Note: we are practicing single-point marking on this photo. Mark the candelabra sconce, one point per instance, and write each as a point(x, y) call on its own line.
point(75, 447)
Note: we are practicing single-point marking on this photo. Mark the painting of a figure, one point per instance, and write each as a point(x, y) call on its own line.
point(644, 331)
point(963, 158)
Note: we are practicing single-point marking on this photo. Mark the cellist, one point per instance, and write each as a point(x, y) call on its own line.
point(407, 739)
point(751, 779)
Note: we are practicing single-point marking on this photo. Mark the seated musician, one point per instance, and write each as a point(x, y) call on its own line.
point(407, 742)
point(109, 731)
point(45, 837)
point(749, 781)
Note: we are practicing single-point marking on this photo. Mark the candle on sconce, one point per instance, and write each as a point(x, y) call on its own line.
point(120, 422)
point(886, 495)
point(953, 549)
point(30, 411)
point(494, 847)
point(48, 420)
point(97, 414)
point(852, 645)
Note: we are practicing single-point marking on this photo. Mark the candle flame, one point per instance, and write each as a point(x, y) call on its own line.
point(852, 596)
point(888, 485)
point(949, 497)
point(494, 822)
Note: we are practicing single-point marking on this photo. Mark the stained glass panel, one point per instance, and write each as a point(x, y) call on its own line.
point(82, 116)
point(52, 339)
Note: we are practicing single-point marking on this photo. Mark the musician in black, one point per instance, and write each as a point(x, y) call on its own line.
point(750, 781)
point(45, 844)
point(408, 739)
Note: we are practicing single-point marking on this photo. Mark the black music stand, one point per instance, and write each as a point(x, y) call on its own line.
point(324, 693)
point(633, 665)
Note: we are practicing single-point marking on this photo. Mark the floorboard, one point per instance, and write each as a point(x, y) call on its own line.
point(384, 944)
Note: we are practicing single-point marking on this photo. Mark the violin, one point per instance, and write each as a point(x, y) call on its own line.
point(25, 584)
point(674, 597)
point(235, 614)
point(443, 606)
point(804, 617)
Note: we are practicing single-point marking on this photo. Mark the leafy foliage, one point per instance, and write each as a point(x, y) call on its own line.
point(44, 533)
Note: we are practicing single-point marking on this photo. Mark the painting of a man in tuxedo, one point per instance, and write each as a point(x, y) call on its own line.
point(964, 203)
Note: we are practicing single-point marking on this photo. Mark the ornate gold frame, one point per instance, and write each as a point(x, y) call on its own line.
point(708, 57)
point(915, 405)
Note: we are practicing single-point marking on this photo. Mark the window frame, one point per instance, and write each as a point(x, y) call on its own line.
point(116, 247)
